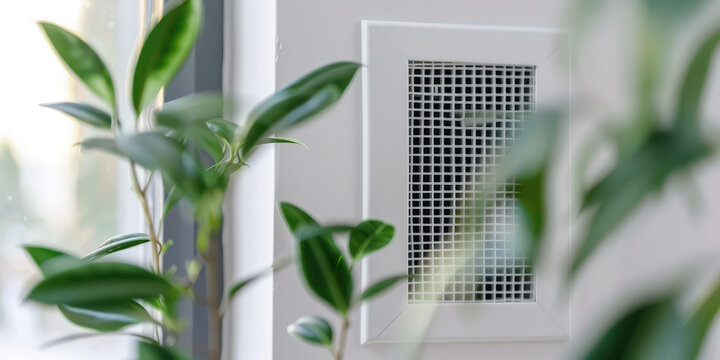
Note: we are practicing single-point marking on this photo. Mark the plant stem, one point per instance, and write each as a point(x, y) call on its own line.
point(343, 338)
point(214, 291)
point(142, 197)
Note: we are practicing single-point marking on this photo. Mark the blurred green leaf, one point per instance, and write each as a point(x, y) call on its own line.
point(164, 51)
point(107, 317)
point(687, 118)
point(321, 263)
point(152, 351)
point(50, 261)
point(281, 140)
point(154, 151)
point(701, 320)
point(84, 112)
point(194, 108)
point(98, 284)
point(299, 101)
point(643, 173)
point(669, 11)
point(369, 236)
point(381, 286)
point(654, 330)
point(189, 117)
point(226, 130)
point(173, 197)
point(82, 61)
point(527, 166)
point(279, 265)
point(117, 243)
point(313, 330)
point(106, 145)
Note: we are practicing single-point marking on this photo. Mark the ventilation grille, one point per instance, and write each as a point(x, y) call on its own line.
point(463, 118)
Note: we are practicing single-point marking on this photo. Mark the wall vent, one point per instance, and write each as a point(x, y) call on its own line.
point(463, 118)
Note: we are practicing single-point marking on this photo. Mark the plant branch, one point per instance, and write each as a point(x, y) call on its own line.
point(142, 197)
point(214, 293)
point(340, 351)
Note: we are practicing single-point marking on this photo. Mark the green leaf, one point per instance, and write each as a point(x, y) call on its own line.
point(164, 51)
point(321, 263)
point(174, 196)
point(50, 261)
point(84, 112)
point(191, 109)
point(189, 117)
point(100, 283)
point(226, 130)
point(154, 151)
point(633, 179)
point(40, 255)
point(82, 61)
point(369, 236)
point(693, 86)
point(117, 243)
point(299, 101)
point(313, 330)
point(106, 145)
point(281, 140)
point(279, 265)
point(106, 317)
point(702, 318)
point(151, 351)
point(653, 330)
point(381, 286)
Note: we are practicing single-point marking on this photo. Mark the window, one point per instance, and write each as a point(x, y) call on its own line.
point(50, 193)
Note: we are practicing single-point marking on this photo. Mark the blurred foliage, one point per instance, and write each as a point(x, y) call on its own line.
point(193, 147)
point(650, 150)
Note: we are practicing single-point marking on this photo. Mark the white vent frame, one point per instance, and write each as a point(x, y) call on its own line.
point(386, 49)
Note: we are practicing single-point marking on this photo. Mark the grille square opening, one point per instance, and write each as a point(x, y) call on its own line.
point(463, 119)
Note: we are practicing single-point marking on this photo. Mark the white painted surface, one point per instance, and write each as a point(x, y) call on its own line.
point(667, 236)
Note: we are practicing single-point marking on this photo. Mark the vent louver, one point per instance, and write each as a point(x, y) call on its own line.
point(463, 118)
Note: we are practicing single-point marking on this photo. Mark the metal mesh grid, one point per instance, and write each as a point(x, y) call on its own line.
point(462, 120)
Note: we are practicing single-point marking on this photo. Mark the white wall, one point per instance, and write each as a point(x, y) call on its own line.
point(666, 236)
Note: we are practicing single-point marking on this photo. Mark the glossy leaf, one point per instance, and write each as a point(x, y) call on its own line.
point(654, 330)
point(82, 61)
point(100, 283)
point(164, 51)
point(281, 140)
point(320, 262)
point(693, 86)
point(106, 145)
point(152, 351)
point(298, 101)
point(117, 243)
point(279, 265)
point(106, 317)
point(369, 236)
point(84, 112)
point(381, 286)
point(313, 330)
point(632, 180)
